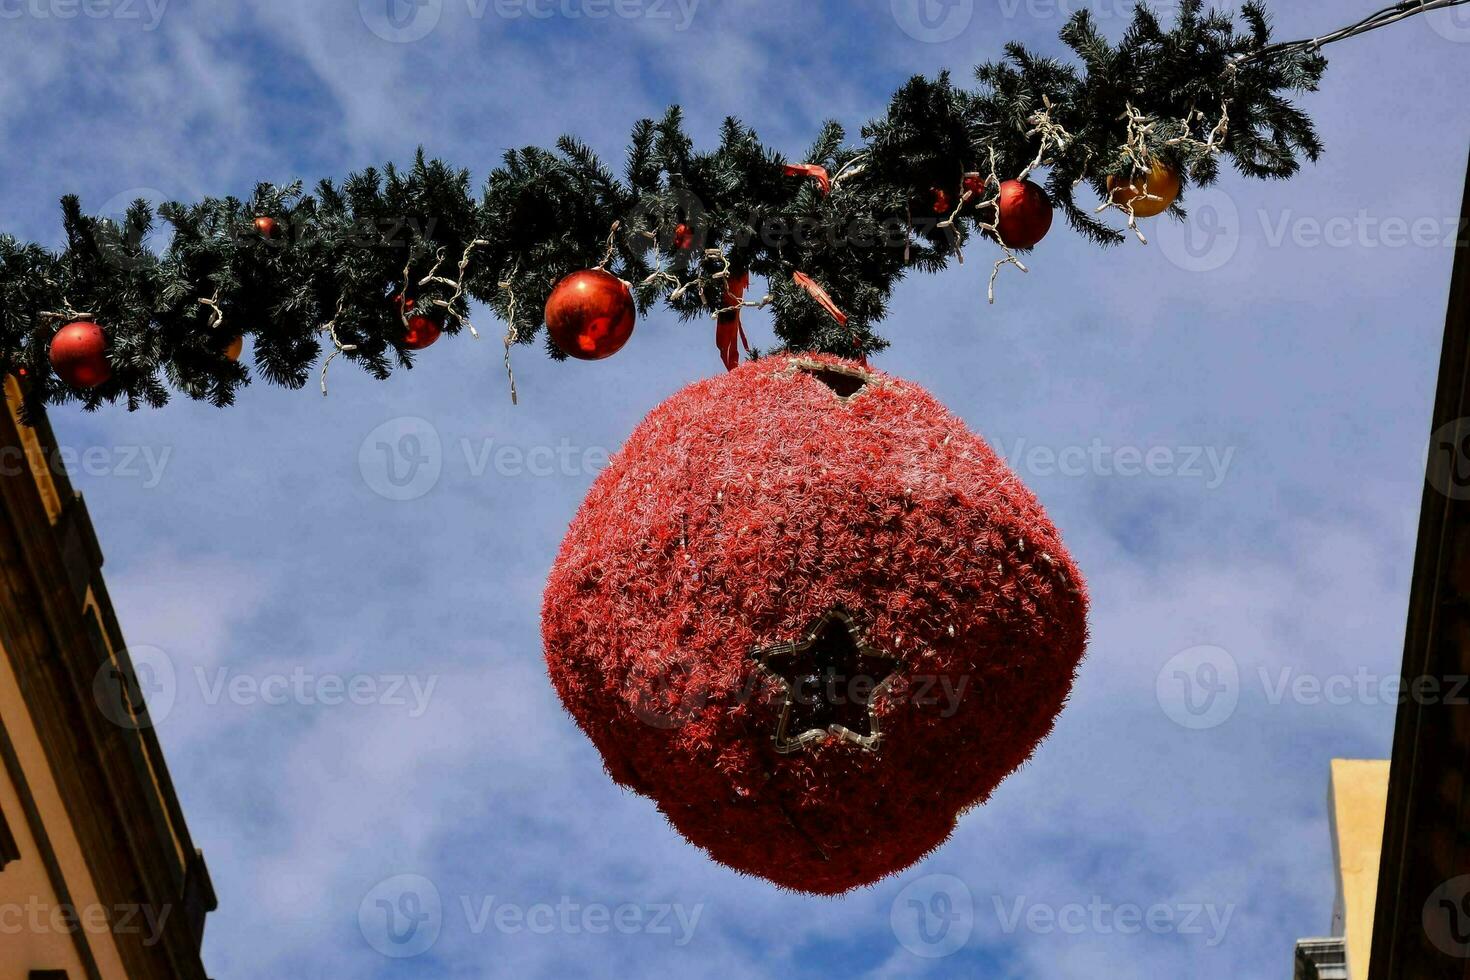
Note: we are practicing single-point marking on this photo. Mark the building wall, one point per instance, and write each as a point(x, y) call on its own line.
point(108, 883)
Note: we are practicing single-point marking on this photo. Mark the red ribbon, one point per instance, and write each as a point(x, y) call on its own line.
point(825, 302)
point(819, 174)
point(820, 295)
point(729, 334)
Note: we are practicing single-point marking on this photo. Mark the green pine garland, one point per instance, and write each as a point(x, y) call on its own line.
point(342, 254)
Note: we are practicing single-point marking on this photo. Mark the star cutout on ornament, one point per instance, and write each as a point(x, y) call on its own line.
point(830, 679)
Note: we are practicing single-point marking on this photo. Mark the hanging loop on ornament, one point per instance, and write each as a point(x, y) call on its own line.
point(612, 246)
point(67, 313)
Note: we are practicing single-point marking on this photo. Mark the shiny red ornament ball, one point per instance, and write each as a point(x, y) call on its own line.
point(1025, 213)
point(683, 238)
point(79, 355)
point(266, 225)
point(814, 618)
point(421, 331)
point(591, 314)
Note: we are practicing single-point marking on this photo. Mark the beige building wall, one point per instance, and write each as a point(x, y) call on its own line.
point(1357, 799)
point(38, 928)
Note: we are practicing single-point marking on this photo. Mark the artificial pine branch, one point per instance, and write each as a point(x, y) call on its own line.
point(345, 253)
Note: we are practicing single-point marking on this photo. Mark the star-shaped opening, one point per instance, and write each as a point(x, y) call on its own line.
point(846, 382)
point(830, 678)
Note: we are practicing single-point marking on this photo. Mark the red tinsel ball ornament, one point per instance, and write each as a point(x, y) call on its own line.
point(79, 355)
point(814, 618)
point(1025, 213)
point(421, 331)
point(591, 314)
point(941, 200)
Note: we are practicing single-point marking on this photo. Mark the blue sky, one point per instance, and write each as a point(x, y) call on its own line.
point(1276, 356)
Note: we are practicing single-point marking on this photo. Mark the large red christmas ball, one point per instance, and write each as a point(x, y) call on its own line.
point(79, 355)
point(591, 314)
point(1025, 213)
point(421, 332)
point(814, 618)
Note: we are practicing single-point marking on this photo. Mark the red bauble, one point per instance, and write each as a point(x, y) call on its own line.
point(266, 225)
point(1025, 213)
point(79, 355)
point(804, 518)
point(975, 184)
point(683, 238)
point(421, 331)
point(941, 200)
point(591, 314)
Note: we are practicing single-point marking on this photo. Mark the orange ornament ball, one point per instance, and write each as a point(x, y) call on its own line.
point(1149, 195)
point(79, 355)
point(1025, 213)
point(591, 314)
point(237, 346)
